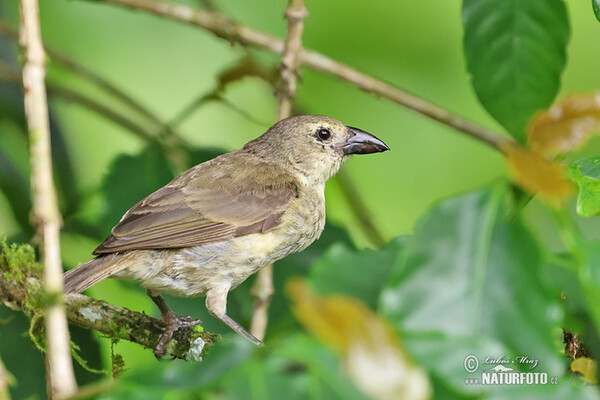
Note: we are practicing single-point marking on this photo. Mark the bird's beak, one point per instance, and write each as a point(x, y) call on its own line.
point(361, 142)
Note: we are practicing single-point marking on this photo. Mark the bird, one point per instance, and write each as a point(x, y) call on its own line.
point(216, 224)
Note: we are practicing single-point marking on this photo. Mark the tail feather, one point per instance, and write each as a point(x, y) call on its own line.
point(89, 273)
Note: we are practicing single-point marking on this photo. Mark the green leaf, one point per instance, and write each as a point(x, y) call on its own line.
point(323, 368)
point(586, 173)
point(596, 8)
point(516, 52)
point(295, 368)
point(471, 284)
point(357, 273)
point(15, 186)
point(178, 378)
point(20, 356)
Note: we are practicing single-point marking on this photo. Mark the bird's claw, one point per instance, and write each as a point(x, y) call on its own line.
point(173, 322)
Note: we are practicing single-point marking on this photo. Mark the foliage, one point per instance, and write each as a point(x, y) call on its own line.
point(516, 51)
point(490, 272)
point(586, 172)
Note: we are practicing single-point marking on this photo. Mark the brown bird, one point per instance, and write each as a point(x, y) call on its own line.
point(221, 221)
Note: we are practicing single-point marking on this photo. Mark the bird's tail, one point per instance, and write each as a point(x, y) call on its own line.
point(89, 273)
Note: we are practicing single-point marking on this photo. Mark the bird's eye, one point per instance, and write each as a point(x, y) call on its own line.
point(323, 133)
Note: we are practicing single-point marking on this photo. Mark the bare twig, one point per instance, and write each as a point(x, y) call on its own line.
point(102, 83)
point(175, 151)
point(246, 67)
point(360, 209)
point(46, 217)
point(172, 142)
point(295, 13)
point(262, 290)
point(7, 74)
point(235, 32)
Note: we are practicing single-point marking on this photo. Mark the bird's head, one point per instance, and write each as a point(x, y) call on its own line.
point(315, 146)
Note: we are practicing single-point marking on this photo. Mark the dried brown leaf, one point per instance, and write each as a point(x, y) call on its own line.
point(567, 125)
point(536, 175)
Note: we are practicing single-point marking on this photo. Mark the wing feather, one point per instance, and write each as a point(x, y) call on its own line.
point(211, 202)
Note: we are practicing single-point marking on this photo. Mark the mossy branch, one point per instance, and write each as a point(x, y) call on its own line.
point(122, 323)
point(20, 288)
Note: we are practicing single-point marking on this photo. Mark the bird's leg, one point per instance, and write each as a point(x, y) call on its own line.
point(216, 303)
point(172, 322)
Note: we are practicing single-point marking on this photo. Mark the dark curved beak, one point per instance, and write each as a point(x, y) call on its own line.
point(361, 142)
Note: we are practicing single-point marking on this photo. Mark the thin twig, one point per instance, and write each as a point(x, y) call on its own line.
point(235, 32)
point(45, 214)
point(8, 75)
point(174, 144)
point(175, 152)
point(245, 67)
point(360, 210)
point(295, 13)
point(89, 75)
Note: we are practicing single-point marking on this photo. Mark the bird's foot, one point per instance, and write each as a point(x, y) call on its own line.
point(173, 322)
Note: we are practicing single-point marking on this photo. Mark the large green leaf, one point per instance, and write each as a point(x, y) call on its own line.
point(358, 273)
point(471, 284)
point(586, 173)
point(515, 51)
point(295, 368)
point(177, 379)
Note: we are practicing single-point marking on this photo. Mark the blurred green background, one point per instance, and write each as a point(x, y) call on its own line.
point(166, 65)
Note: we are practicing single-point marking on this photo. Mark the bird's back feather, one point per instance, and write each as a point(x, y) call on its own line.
point(212, 202)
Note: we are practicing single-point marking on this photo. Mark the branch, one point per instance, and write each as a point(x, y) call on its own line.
point(295, 13)
point(46, 217)
point(114, 321)
point(84, 72)
point(235, 32)
point(245, 67)
point(174, 151)
point(360, 209)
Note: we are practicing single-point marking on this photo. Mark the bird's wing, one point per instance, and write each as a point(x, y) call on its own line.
point(207, 204)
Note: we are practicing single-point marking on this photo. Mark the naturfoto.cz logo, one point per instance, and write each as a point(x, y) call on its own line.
point(500, 373)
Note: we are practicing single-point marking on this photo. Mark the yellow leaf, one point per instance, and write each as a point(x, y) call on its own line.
point(536, 175)
point(567, 125)
point(586, 367)
point(369, 346)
